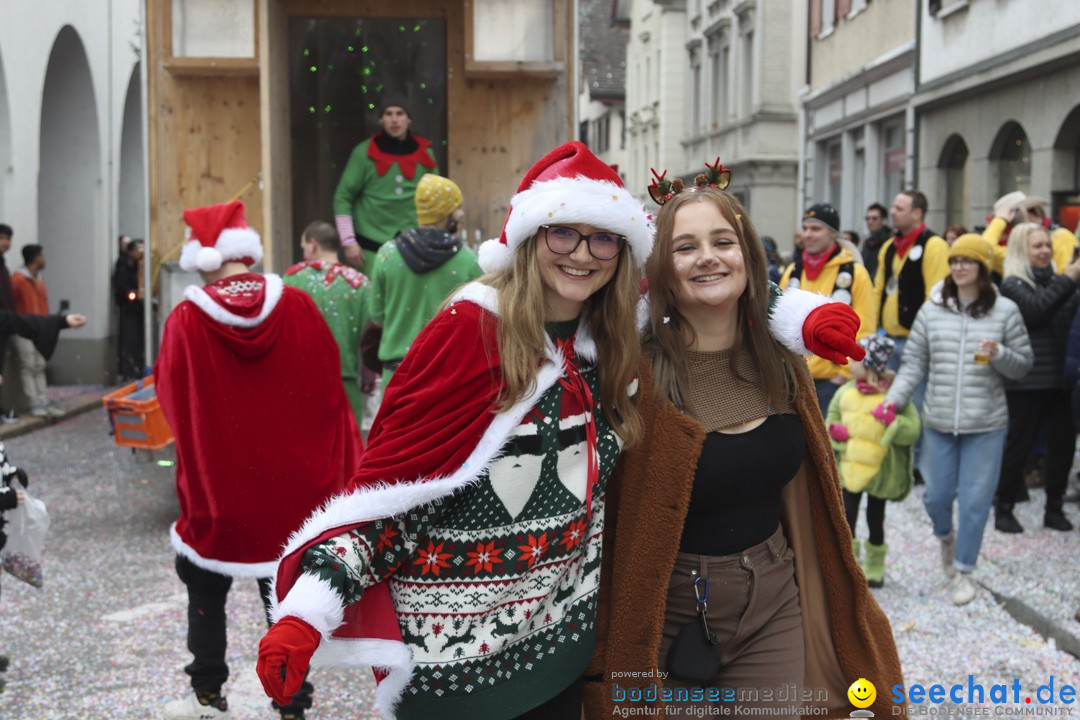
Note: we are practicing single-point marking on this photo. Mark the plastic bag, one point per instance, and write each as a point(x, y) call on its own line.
point(27, 526)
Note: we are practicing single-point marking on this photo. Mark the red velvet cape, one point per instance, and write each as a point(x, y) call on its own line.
point(264, 432)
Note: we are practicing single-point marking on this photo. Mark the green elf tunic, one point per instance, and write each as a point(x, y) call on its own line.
point(404, 300)
point(341, 294)
point(375, 197)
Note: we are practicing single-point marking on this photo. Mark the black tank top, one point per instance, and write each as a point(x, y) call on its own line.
point(735, 502)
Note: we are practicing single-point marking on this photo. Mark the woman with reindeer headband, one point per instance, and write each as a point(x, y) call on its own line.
point(464, 559)
point(728, 565)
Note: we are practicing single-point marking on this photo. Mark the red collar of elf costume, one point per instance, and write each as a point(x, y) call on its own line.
point(903, 243)
point(333, 270)
point(407, 163)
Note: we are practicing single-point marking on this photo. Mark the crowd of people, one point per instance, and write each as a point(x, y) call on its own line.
point(978, 327)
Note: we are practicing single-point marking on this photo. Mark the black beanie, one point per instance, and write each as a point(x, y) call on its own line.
point(824, 212)
point(390, 100)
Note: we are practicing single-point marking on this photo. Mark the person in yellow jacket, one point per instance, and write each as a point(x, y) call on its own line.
point(1014, 208)
point(873, 444)
point(909, 265)
point(824, 267)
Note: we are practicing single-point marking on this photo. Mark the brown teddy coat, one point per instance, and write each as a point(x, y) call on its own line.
point(847, 636)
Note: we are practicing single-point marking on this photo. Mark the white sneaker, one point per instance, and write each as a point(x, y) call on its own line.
point(39, 411)
point(948, 556)
point(189, 708)
point(54, 410)
point(963, 589)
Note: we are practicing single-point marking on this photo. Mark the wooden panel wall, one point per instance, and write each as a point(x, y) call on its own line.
point(203, 140)
point(206, 139)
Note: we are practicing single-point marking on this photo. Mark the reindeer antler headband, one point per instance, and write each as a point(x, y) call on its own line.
point(661, 190)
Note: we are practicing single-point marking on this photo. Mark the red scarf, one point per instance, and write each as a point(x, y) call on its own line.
point(576, 385)
point(814, 264)
point(903, 243)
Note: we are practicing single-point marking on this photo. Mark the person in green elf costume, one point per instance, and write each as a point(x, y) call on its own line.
point(341, 294)
point(374, 197)
point(413, 275)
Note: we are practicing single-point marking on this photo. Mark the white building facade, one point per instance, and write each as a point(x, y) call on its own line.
point(656, 80)
point(857, 127)
point(744, 61)
point(997, 106)
point(71, 156)
point(604, 30)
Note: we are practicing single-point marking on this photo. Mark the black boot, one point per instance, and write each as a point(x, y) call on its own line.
point(1005, 521)
point(1054, 518)
point(4, 662)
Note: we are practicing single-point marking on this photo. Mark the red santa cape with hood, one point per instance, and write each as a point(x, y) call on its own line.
point(264, 432)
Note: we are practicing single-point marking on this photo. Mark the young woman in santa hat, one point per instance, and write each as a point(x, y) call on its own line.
point(728, 563)
point(463, 563)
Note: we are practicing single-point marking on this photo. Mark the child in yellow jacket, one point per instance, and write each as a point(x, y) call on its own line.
point(874, 449)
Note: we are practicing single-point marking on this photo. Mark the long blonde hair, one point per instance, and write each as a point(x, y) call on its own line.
point(1017, 260)
point(612, 318)
point(670, 334)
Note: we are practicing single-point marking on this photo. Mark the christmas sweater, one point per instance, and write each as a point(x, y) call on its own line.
point(341, 294)
point(473, 586)
point(495, 587)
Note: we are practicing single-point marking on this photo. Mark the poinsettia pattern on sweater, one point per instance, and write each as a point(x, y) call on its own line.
point(497, 583)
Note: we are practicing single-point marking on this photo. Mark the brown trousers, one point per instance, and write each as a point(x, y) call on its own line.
point(754, 611)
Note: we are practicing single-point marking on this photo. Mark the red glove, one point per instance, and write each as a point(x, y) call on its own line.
point(838, 432)
point(885, 413)
point(284, 655)
point(829, 332)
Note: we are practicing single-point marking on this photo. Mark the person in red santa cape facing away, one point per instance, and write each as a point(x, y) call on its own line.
point(463, 562)
point(249, 380)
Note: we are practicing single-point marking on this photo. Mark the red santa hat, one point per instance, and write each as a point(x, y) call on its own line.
point(570, 185)
point(219, 233)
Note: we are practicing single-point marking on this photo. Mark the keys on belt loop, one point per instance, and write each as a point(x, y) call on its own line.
point(701, 595)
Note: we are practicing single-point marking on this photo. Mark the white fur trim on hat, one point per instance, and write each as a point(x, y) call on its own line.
point(494, 255)
point(208, 259)
point(573, 200)
point(232, 243)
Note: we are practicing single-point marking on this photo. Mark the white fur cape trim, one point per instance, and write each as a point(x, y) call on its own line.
point(222, 567)
point(571, 200)
point(232, 243)
point(311, 602)
point(274, 290)
point(789, 314)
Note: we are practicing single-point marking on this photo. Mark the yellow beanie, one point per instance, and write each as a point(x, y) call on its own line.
point(973, 246)
point(436, 198)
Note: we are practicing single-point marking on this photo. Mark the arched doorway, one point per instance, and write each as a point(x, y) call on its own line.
point(131, 202)
point(955, 168)
point(70, 201)
point(1010, 159)
point(1065, 172)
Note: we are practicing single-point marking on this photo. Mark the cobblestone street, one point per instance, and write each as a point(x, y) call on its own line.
point(105, 638)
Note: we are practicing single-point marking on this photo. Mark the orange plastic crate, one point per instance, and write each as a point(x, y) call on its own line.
point(136, 416)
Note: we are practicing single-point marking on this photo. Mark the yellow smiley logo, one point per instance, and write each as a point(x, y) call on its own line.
point(862, 693)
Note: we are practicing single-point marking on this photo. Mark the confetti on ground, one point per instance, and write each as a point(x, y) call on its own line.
point(105, 636)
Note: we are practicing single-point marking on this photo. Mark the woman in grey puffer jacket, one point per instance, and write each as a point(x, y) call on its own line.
point(967, 339)
point(1048, 302)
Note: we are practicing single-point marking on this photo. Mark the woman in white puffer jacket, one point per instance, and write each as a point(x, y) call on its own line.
point(967, 339)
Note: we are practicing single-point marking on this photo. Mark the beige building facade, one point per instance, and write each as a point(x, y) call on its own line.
point(857, 127)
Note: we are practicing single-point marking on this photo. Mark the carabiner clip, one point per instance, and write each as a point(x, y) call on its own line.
point(701, 594)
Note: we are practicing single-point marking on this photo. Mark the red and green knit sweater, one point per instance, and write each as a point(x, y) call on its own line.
point(494, 586)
